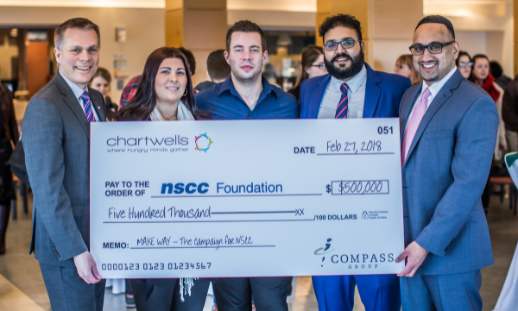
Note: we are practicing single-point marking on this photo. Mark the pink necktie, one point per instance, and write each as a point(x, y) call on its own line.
point(415, 120)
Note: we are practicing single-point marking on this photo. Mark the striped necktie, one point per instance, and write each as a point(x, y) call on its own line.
point(341, 110)
point(87, 104)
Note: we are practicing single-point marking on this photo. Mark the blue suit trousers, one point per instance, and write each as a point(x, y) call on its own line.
point(449, 292)
point(378, 292)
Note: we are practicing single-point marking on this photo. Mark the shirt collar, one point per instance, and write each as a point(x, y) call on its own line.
point(76, 89)
point(353, 84)
point(228, 85)
point(436, 87)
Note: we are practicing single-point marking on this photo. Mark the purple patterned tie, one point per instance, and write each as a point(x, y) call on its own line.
point(87, 104)
point(341, 110)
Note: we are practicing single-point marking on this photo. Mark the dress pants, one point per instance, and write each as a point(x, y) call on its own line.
point(449, 292)
point(68, 292)
point(378, 292)
point(235, 294)
point(164, 295)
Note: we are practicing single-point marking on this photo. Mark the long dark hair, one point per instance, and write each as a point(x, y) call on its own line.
point(142, 104)
point(308, 57)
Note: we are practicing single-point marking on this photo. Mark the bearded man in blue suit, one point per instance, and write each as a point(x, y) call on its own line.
point(352, 90)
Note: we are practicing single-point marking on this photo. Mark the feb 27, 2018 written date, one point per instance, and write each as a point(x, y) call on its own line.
point(337, 147)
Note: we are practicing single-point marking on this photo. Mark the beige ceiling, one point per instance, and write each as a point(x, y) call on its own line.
point(267, 5)
point(446, 7)
point(86, 3)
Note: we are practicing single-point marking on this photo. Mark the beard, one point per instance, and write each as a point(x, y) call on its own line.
point(345, 73)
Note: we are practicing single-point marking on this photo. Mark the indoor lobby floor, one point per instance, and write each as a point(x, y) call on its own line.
point(22, 287)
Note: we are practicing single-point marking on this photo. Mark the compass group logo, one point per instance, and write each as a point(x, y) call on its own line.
point(321, 251)
point(324, 250)
point(203, 142)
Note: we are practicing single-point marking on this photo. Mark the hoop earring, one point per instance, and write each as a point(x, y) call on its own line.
point(185, 93)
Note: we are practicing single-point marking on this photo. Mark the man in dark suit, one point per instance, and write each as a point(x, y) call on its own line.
point(56, 136)
point(352, 90)
point(448, 133)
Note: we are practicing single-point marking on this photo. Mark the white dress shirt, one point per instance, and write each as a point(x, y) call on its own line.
point(435, 88)
point(77, 93)
point(355, 96)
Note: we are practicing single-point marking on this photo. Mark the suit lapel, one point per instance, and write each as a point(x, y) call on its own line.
point(97, 104)
point(71, 101)
point(372, 92)
point(316, 97)
point(436, 104)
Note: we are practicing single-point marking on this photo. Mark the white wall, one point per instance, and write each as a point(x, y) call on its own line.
point(489, 43)
point(497, 29)
point(145, 31)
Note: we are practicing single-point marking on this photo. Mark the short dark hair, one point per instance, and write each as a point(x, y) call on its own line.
point(190, 59)
point(495, 69)
point(217, 65)
point(343, 20)
point(437, 19)
point(245, 26)
point(79, 23)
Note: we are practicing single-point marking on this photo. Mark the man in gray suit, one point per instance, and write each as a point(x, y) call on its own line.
point(448, 134)
point(56, 139)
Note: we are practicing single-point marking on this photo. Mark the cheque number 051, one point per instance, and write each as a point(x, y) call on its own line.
point(385, 130)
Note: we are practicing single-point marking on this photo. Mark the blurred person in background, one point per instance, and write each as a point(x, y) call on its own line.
point(464, 64)
point(480, 76)
point(190, 59)
point(311, 65)
point(405, 67)
point(218, 70)
point(8, 138)
point(498, 73)
point(101, 82)
point(510, 113)
point(129, 90)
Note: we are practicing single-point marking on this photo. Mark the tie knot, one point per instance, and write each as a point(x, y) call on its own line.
point(85, 95)
point(426, 94)
point(344, 88)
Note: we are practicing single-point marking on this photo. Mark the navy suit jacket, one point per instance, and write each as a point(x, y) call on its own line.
point(444, 175)
point(383, 92)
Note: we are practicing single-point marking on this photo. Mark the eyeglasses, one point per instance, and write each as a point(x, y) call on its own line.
point(321, 66)
point(462, 64)
point(433, 48)
point(346, 44)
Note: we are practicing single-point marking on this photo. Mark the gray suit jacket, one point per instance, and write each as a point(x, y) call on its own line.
point(444, 176)
point(56, 139)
